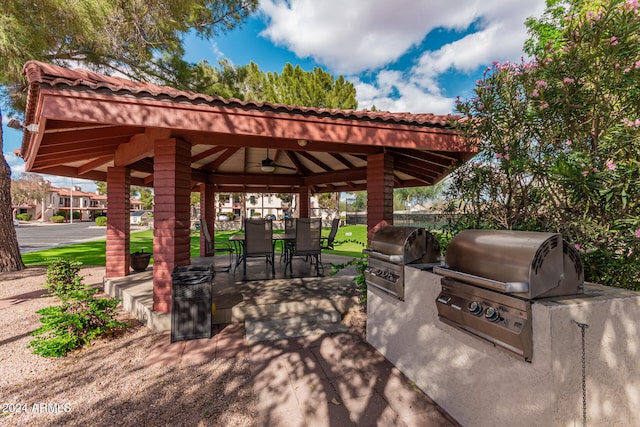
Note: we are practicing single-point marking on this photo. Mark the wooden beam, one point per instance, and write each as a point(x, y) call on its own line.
point(342, 159)
point(139, 147)
point(337, 176)
point(207, 153)
point(87, 167)
point(214, 165)
point(314, 160)
point(93, 133)
point(299, 166)
point(256, 179)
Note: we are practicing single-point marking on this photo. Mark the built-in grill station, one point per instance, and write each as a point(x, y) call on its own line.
point(392, 248)
point(491, 278)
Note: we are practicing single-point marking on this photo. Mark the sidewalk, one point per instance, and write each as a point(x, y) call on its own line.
point(327, 380)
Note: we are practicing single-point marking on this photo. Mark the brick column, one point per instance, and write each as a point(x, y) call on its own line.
point(304, 208)
point(207, 214)
point(118, 227)
point(172, 188)
point(379, 189)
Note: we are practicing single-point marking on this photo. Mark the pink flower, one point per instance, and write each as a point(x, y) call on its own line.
point(535, 93)
point(610, 165)
point(569, 142)
point(637, 233)
point(506, 148)
point(568, 80)
point(637, 64)
point(544, 106)
point(614, 41)
point(542, 83)
point(498, 155)
point(578, 248)
point(506, 157)
point(585, 173)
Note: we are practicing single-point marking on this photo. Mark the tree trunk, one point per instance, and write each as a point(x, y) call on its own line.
point(10, 259)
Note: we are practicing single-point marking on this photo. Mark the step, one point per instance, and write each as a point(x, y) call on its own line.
point(282, 326)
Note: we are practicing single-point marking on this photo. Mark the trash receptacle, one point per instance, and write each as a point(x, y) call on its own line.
point(191, 302)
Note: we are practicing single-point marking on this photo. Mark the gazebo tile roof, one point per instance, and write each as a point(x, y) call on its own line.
point(53, 75)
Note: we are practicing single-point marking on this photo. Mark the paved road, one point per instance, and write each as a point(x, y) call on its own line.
point(34, 236)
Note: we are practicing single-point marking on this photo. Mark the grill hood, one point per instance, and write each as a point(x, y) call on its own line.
point(526, 264)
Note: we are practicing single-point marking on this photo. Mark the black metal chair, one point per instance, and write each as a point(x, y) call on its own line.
point(258, 242)
point(213, 248)
point(306, 244)
point(327, 242)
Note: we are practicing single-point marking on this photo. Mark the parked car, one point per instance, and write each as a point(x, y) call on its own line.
point(223, 217)
point(16, 222)
point(272, 217)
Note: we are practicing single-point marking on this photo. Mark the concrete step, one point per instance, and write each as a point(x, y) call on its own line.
point(283, 325)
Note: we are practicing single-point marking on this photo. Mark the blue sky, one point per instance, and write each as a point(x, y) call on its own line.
point(402, 55)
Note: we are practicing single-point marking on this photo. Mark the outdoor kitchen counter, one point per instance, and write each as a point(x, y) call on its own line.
point(480, 385)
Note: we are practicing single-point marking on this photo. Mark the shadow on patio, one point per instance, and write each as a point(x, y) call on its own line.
point(258, 297)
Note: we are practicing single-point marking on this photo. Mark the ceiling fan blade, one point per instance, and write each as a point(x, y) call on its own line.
point(283, 166)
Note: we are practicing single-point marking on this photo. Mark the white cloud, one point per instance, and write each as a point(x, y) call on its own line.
point(369, 35)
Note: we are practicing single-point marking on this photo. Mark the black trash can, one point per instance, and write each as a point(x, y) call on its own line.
point(191, 302)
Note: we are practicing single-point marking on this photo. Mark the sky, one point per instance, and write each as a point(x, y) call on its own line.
point(401, 55)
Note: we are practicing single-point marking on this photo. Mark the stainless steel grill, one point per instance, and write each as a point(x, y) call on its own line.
point(391, 249)
point(491, 278)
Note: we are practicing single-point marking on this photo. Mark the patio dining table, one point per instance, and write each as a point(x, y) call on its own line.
point(237, 240)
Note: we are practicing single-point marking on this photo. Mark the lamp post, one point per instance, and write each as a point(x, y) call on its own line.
point(71, 204)
point(45, 190)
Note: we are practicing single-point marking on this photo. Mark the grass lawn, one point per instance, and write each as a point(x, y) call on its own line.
point(349, 241)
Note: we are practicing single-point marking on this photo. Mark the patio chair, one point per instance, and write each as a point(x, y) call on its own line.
point(306, 244)
point(258, 242)
point(289, 230)
point(212, 247)
point(327, 242)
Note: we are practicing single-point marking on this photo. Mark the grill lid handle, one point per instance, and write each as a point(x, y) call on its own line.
point(395, 259)
point(505, 287)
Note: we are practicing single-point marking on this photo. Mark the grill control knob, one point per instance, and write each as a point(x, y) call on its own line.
point(492, 314)
point(475, 308)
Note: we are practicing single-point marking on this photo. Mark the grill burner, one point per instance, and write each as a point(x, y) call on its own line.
point(391, 249)
point(493, 277)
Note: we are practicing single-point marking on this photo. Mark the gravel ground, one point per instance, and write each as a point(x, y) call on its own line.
point(107, 383)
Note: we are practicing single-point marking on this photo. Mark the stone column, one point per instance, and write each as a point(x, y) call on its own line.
point(118, 227)
point(207, 214)
point(171, 241)
point(379, 190)
point(304, 208)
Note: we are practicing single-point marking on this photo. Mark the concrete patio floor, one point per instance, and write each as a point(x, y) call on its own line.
point(324, 378)
point(256, 296)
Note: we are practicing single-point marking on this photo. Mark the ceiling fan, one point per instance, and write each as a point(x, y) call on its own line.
point(269, 165)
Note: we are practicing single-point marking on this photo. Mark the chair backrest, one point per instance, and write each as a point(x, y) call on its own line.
point(257, 236)
point(334, 230)
point(308, 233)
point(290, 225)
point(205, 230)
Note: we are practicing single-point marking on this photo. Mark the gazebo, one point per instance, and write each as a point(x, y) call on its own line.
point(86, 125)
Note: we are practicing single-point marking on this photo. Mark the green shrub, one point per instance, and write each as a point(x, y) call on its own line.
point(24, 216)
point(63, 279)
point(65, 328)
point(81, 319)
point(101, 221)
point(57, 219)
